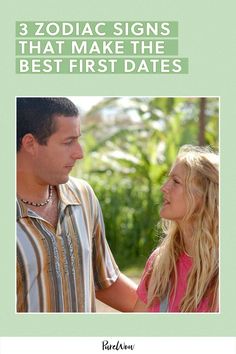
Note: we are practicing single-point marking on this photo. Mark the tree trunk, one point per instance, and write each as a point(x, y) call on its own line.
point(201, 134)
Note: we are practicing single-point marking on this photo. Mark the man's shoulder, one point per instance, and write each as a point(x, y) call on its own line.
point(79, 185)
point(78, 191)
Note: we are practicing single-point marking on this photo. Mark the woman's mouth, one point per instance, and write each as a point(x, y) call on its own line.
point(166, 202)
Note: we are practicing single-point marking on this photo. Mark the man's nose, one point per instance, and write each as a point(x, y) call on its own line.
point(78, 154)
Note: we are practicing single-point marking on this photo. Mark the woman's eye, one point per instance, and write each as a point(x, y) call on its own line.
point(176, 181)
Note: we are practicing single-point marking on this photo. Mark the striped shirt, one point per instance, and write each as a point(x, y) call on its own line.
point(59, 270)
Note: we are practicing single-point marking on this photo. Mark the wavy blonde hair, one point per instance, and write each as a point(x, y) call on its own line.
point(201, 183)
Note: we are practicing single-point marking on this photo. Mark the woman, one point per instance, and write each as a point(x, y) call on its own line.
point(182, 274)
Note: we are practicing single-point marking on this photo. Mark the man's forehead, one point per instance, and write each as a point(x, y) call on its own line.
point(62, 117)
point(67, 125)
point(62, 120)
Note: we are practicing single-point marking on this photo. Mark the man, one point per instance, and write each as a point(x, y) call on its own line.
point(63, 259)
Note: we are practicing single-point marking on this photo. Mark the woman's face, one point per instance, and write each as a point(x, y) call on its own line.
point(174, 196)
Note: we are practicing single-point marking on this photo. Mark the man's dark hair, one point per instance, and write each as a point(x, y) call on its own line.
point(35, 115)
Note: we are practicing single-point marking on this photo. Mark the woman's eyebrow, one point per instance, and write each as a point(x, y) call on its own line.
point(175, 175)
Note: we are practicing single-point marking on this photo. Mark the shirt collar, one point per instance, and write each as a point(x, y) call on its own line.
point(67, 194)
point(21, 209)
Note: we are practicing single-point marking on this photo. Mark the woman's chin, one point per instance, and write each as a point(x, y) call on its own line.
point(163, 213)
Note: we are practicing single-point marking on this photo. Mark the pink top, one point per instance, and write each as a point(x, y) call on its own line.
point(184, 264)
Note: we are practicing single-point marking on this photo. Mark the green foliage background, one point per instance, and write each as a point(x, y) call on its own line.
point(129, 145)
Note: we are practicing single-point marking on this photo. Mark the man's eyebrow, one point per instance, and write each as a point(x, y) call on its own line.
point(72, 137)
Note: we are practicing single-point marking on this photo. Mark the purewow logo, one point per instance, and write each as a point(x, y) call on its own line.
point(117, 346)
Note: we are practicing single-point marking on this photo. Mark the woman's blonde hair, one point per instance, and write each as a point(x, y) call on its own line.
point(201, 183)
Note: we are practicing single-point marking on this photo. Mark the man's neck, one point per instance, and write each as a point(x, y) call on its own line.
point(30, 189)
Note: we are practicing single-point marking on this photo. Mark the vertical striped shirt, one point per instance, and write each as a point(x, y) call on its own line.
point(58, 270)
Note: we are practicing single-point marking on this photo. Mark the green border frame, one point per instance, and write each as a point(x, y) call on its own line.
point(206, 36)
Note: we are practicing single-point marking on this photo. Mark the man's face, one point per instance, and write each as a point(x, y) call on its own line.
point(54, 161)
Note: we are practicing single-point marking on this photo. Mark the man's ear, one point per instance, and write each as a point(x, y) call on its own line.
point(29, 143)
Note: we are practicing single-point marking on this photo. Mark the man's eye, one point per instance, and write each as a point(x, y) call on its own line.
point(176, 181)
point(69, 142)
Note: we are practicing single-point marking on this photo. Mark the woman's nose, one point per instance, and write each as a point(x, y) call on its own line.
point(165, 187)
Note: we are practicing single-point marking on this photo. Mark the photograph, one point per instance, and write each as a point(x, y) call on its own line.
point(117, 204)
